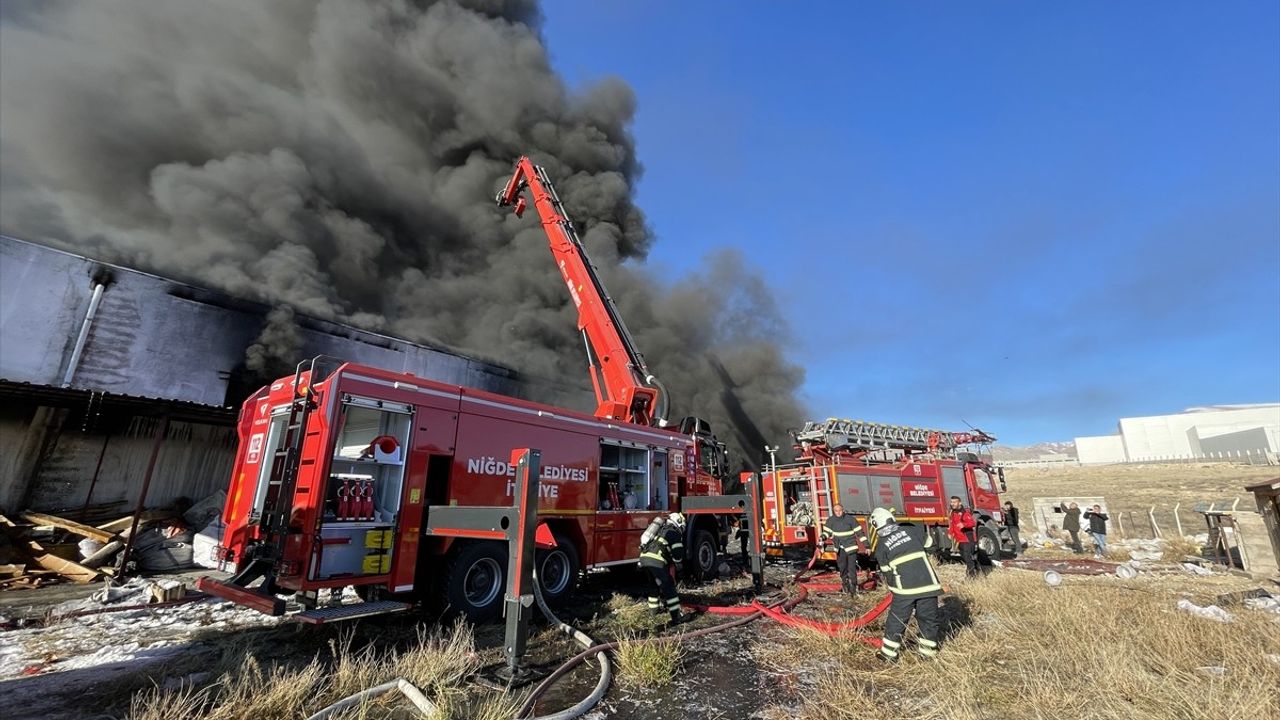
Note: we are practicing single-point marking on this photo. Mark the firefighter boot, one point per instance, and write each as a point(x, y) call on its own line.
point(889, 650)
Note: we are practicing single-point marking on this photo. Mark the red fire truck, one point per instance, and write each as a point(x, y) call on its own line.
point(863, 466)
point(340, 465)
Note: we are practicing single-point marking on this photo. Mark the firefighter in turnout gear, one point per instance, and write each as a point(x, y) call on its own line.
point(661, 550)
point(847, 535)
point(902, 551)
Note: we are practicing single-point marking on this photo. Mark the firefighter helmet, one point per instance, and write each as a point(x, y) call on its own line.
point(676, 519)
point(881, 517)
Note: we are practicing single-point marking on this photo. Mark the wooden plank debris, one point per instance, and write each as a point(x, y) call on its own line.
point(117, 527)
point(39, 555)
point(88, 531)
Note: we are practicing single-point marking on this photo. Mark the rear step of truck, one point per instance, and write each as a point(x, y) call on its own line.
point(320, 616)
point(263, 603)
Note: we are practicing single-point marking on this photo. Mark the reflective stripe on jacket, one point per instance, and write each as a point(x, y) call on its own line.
point(845, 532)
point(904, 563)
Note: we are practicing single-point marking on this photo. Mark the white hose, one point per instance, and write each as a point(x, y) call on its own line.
point(429, 710)
point(606, 669)
point(425, 706)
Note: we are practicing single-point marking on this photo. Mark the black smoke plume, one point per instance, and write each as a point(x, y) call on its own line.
point(339, 158)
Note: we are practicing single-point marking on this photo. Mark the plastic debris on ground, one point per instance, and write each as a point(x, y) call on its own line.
point(206, 510)
point(1146, 554)
point(1211, 612)
point(1265, 604)
point(1195, 569)
point(161, 549)
point(205, 543)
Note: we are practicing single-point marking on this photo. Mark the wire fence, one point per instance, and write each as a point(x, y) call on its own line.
point(1237, 457)
point(1152, 523)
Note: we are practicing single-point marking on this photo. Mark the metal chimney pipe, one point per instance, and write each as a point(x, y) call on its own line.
point(84, 334)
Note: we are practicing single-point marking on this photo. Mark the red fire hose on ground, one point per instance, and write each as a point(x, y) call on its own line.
point(778, 611)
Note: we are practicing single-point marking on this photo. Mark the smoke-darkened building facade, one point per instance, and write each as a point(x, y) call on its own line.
point(94, 357)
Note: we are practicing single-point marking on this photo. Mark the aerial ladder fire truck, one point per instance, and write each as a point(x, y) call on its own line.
point(407, 489)
point(864, 465)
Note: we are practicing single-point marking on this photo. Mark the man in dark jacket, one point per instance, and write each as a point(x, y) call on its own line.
point(659, 557)
point(963, 531)
point(1071, 523)
point(1011, 525)
point(847, 535)
point(902, 552)
point(1098, 530)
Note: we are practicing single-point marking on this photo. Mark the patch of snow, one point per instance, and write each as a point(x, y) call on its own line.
point(143, 634)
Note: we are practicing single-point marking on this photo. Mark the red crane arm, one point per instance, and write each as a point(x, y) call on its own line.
point(625, 389)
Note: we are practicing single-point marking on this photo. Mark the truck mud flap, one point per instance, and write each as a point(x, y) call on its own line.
point(267, 604)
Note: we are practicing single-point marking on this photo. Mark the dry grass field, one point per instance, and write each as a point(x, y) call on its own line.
point(439, 663)
point(1095, 647)
point(1136, 488)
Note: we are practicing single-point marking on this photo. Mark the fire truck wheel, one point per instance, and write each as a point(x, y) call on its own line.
point(558, 570)
point(702, 555)
point(988, 544)
point(474, 580)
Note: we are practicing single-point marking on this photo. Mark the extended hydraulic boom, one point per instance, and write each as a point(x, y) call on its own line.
point(625, 389)
point(855, 435)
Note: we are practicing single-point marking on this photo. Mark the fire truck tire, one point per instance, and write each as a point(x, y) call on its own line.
point(475, 579)
point(558, 570)
point(702, 555)
point(988, 544)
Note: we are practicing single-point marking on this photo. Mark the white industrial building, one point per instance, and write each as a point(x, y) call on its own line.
point(1218, 431)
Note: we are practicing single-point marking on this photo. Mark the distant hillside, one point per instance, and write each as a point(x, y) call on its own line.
point(1039, 451)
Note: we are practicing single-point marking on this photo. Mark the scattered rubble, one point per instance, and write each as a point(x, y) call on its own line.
point(42, 548)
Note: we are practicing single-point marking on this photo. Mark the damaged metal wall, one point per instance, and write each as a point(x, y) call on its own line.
point(154, 337)
point(51, 464)
point(194, 461)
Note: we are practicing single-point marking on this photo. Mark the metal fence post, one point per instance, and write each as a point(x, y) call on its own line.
point(520, 556)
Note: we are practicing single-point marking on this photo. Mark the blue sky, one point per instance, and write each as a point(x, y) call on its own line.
point(1035, 218)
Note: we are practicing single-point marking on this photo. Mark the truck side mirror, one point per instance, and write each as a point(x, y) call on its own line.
point(1003, 486)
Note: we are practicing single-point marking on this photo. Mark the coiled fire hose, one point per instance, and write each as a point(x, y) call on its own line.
point(606, 668)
